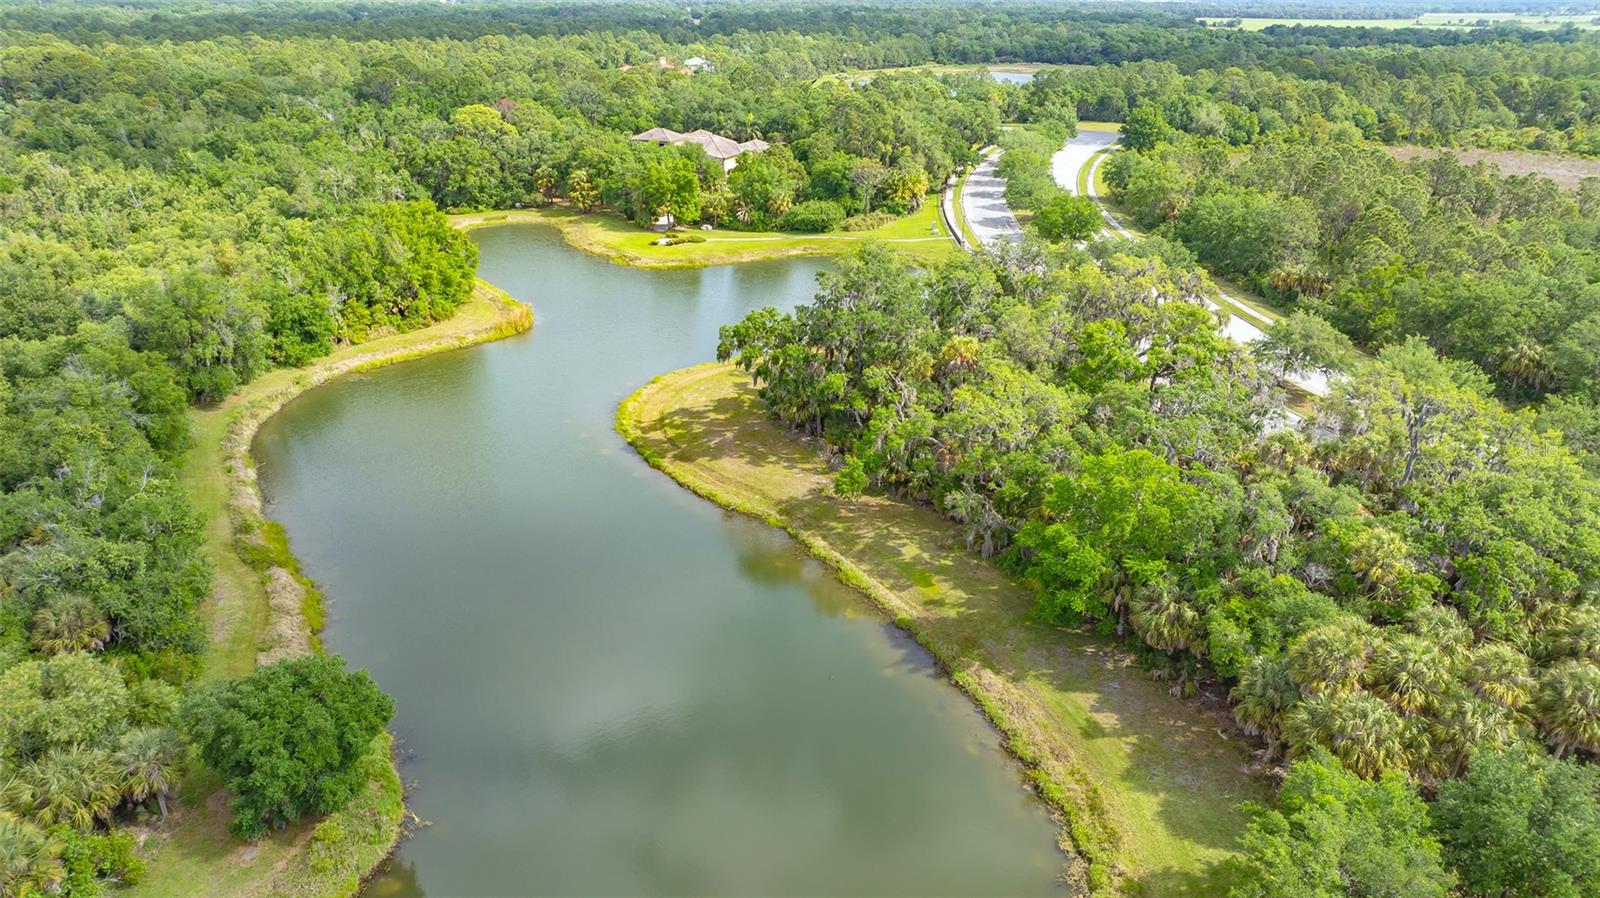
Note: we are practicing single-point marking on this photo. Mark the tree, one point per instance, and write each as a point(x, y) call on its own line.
point(69, 623)
point(288, 739)
point(1335, 835)
point(30, 859)
point(1521, 823)
point(76, 786)
point(583, 192)
point(1304, 342)
point(1145, 127)
point(1569, 707)
point(1067, 217)
point(1123, 515)
point(148, 760)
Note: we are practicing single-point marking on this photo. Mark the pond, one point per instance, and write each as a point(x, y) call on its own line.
point(606, 685)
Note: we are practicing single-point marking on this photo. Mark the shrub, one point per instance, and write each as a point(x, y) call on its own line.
point(680, 239)
point(851, 481)
point(868, 221)
point(288, 739)
point(813, 217)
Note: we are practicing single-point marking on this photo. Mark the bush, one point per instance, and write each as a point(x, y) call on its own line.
point(868, 221)
point(288, 739)
point(813, 217)
point(680, 239)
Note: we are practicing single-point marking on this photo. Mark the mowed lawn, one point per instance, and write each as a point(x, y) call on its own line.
point(919, 235)
point(1150, 784)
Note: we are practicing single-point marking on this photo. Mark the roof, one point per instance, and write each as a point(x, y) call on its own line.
point(659, 135)
point(715, 145)
point(696, 60)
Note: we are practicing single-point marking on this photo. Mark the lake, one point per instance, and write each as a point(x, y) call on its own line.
point(604, 684)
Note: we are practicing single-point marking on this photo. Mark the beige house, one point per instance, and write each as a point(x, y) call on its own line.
point(724, 149)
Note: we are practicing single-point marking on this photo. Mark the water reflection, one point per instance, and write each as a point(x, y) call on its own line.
point(610, 686)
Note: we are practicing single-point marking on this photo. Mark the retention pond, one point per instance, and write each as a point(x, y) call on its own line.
point(605, 684)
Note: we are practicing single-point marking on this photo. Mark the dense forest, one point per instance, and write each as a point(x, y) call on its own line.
point(1400, 595)
point(1406, 586)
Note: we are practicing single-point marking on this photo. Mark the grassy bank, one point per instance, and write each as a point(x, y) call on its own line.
point(263, 608)
point(1146, 786)
point(609, 235)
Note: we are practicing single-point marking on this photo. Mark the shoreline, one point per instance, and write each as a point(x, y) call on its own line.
point(602, 233)
point(1115, 844)
point(263, 608)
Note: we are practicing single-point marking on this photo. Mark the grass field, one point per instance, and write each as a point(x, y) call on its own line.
point(192, 855)
point(918, 235)
point(1147, 785)
point(1459, 20)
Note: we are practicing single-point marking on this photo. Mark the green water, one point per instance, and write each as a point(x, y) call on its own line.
point(606, 685)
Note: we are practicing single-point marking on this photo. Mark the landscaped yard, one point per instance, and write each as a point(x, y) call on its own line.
point(919, 235)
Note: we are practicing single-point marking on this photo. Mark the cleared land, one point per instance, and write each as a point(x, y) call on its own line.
point(919, 235)
point(1148, 785)
point(1567, 171)
point(192, 855)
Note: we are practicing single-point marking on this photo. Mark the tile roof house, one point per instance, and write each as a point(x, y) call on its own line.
point(724, 149)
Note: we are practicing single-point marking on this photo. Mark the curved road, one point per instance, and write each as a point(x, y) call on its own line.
point(983, 199)
point(1086, 150)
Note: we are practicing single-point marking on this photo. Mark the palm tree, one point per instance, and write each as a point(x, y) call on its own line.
point(76, 786)
point(1467, 724)
point(1525, 363)
point(1381, 558)
point(1577, 635)
point(1360, 729)
point(1499, 673)
point(148, 760)
point(1441, 625)
point(1264, 694)
point(30, 859)
point(1569, 707)
point(1163, 618)
point(986, 529)
point(1330, 658)
point(1410, 672)
point(959, 354)
point(69, 623)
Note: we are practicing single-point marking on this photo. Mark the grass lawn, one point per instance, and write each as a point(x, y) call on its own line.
point(1147, 785)
point(919, 235)
point(192, 855)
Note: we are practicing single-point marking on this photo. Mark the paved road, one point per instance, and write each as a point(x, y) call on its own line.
point(983, 199)
point(1070, 159)
point(1080, 151)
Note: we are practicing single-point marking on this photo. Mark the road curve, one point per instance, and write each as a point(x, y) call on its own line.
point(1085, 150)
point(983, 199)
